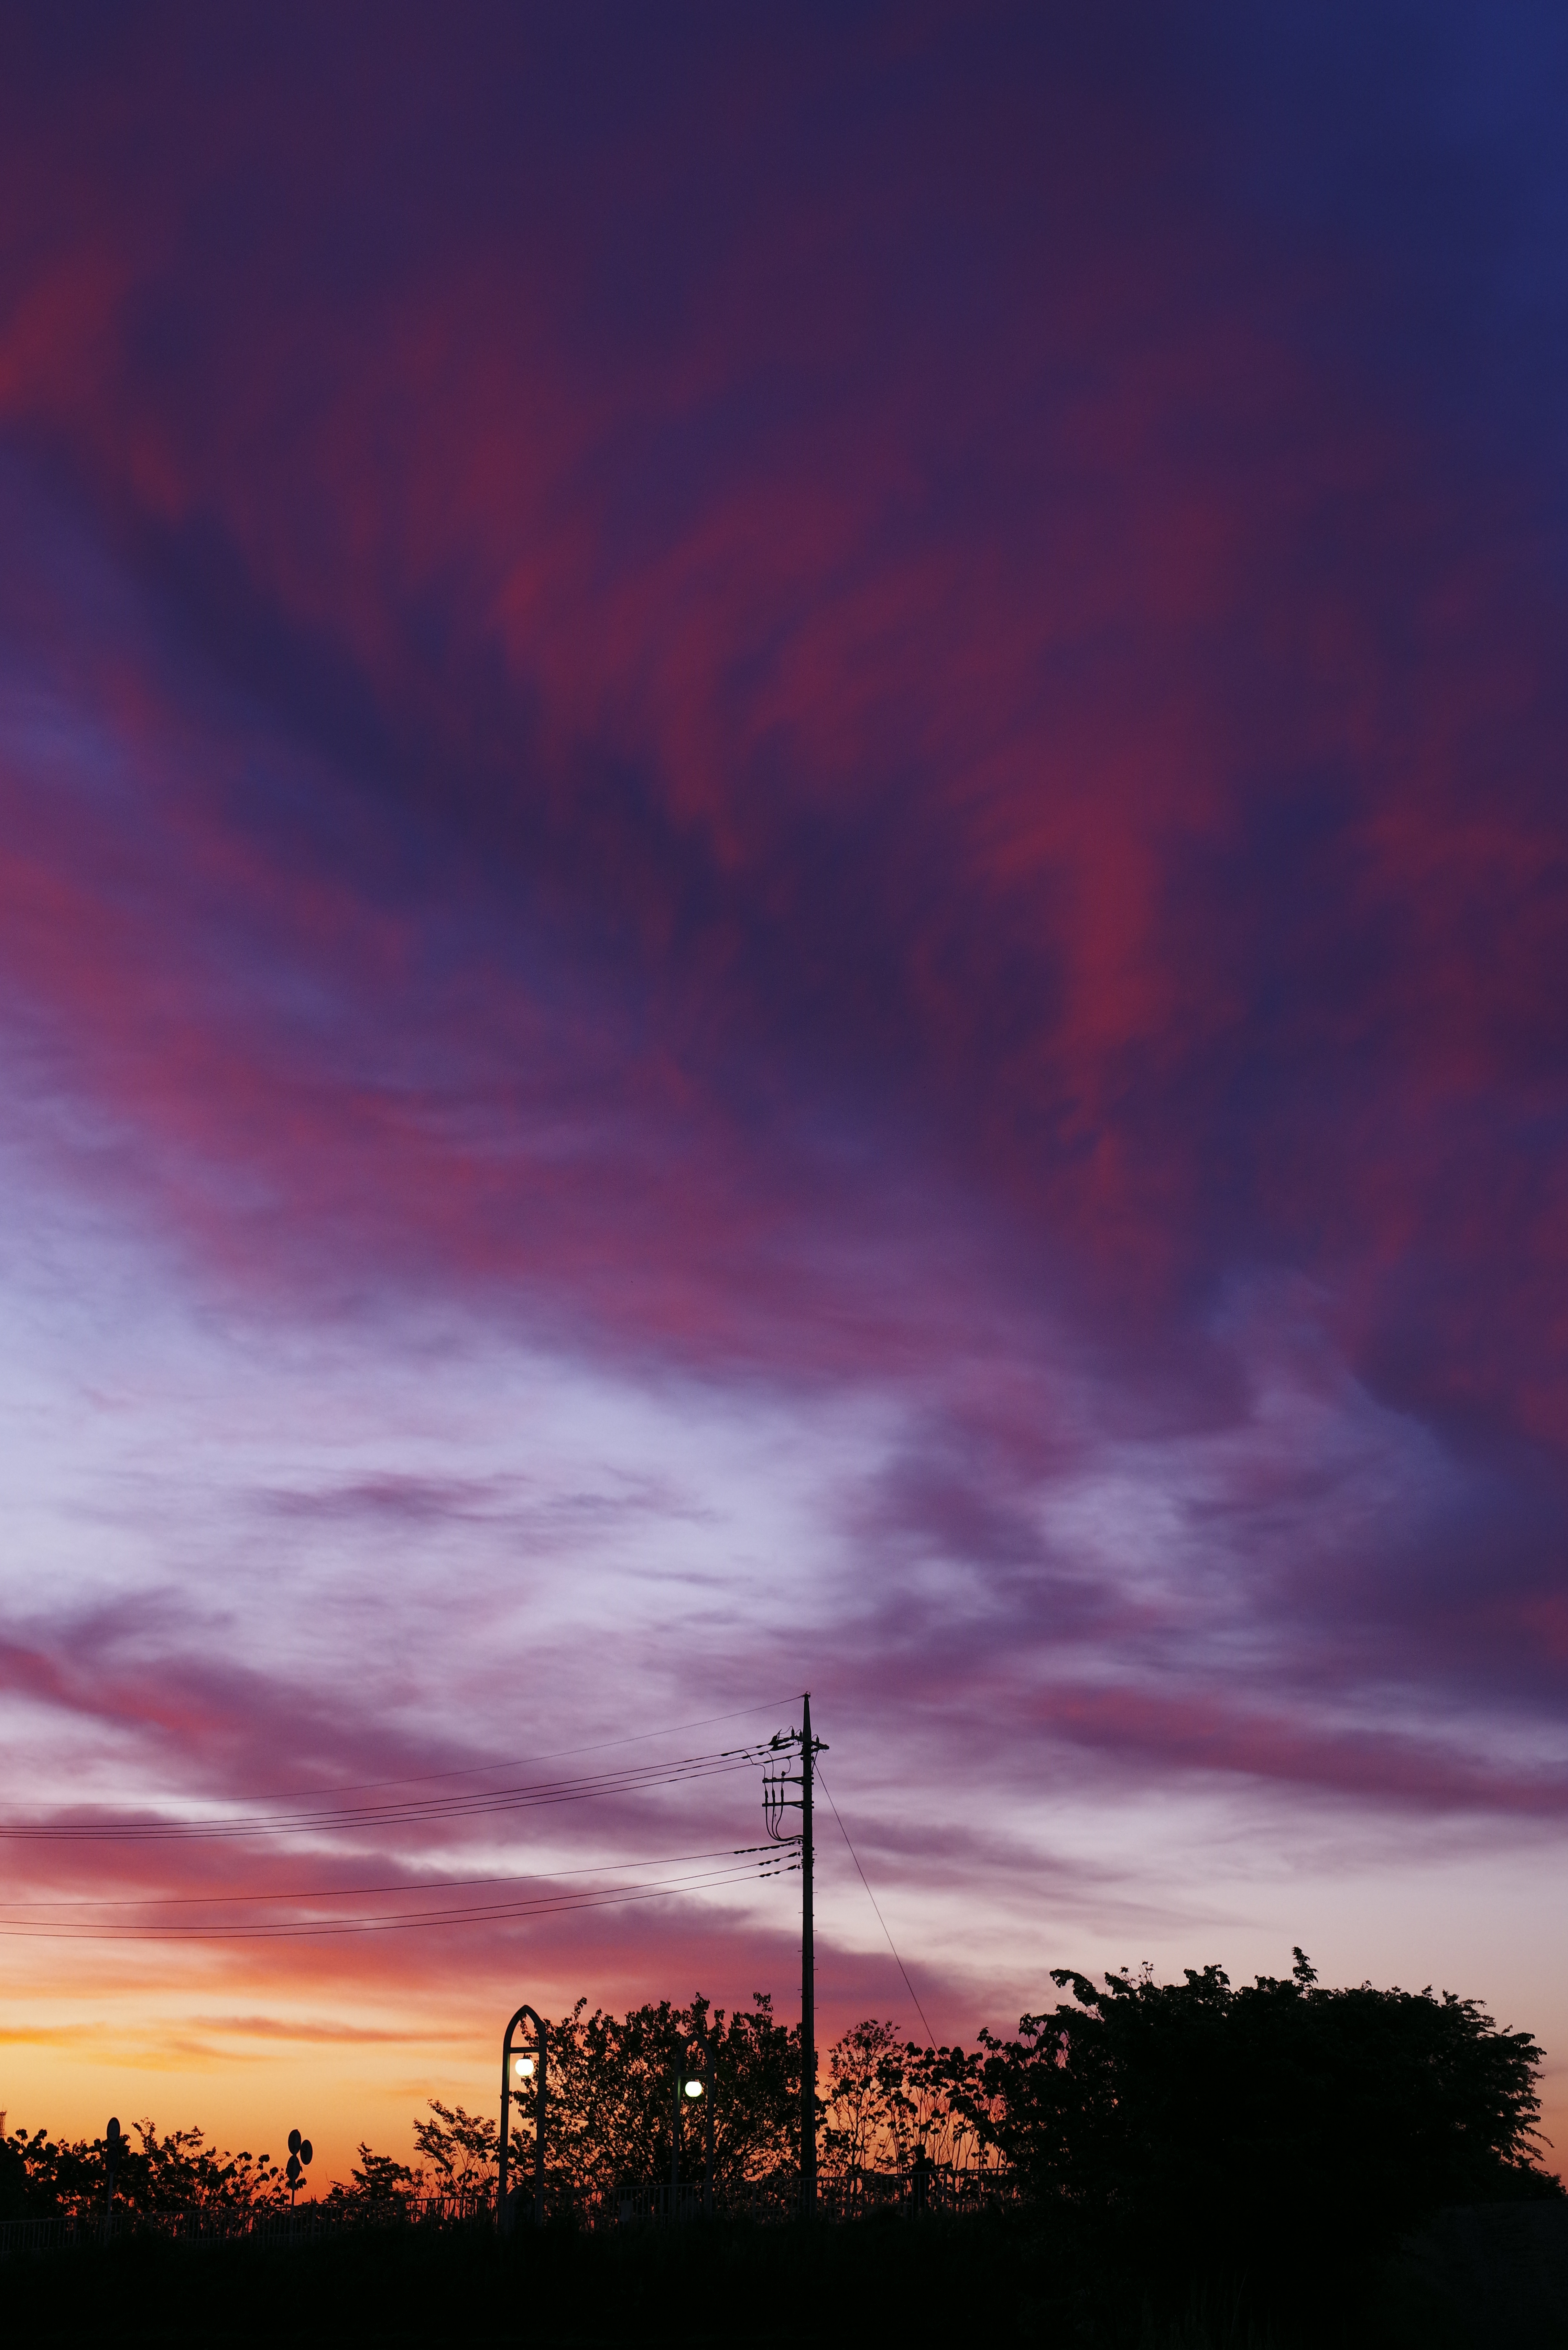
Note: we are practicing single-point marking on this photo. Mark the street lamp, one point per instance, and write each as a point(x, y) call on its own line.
point(515, 2071)
point(299, 2152)
point(692, 2087)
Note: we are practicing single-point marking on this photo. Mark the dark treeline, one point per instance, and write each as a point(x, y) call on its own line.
point(610, 2116)
point(1272, 2110)
point(1273, 2136)
point(41, 2177)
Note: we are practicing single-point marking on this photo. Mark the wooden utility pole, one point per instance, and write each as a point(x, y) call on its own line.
point(777, 1804)
point(808, 1983)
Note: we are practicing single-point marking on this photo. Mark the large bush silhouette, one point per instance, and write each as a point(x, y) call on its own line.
point(1278, 2116)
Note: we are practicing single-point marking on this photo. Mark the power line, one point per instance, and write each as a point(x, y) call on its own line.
point(516, 1762)
point(361, 1892)
point(865, 1881)
point(396, 1921)
point(470, 1913)
point(19, 1920)
point(630, 1779)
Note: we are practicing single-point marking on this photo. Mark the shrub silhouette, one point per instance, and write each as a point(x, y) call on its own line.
point(1276, 2120)
point(179, 2172)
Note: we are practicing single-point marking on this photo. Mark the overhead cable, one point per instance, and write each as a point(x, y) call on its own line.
point(402, 1921)
point(519, 1762)
point(631, 1779)
point(363, 1892)
point(865, 1881)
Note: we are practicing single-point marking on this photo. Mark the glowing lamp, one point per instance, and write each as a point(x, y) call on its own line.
point(694, 2087)
point(523, 2067)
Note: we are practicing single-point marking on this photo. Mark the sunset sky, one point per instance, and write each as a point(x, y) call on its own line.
point(783, 903)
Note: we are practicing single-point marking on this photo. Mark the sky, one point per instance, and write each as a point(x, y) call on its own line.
point(783, 884)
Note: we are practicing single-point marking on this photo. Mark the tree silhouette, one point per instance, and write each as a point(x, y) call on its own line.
point(1265, 2119)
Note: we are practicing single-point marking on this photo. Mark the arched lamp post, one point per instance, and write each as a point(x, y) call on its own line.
point(112, 2142)
point(525, 2068)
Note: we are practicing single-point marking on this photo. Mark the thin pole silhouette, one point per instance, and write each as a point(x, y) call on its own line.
point(807, 1981)
point(542, 2038)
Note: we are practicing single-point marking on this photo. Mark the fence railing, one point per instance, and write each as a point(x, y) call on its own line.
point(40, 2235)
point(215, 2224)
point(774, 2198)
point(657, 2204)
point(779, 2198)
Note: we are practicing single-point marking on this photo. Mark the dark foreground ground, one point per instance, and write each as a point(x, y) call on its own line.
point(1475, 2279)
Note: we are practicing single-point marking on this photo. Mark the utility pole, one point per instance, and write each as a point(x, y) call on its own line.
point(776, 1778)
point(807, 1982)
